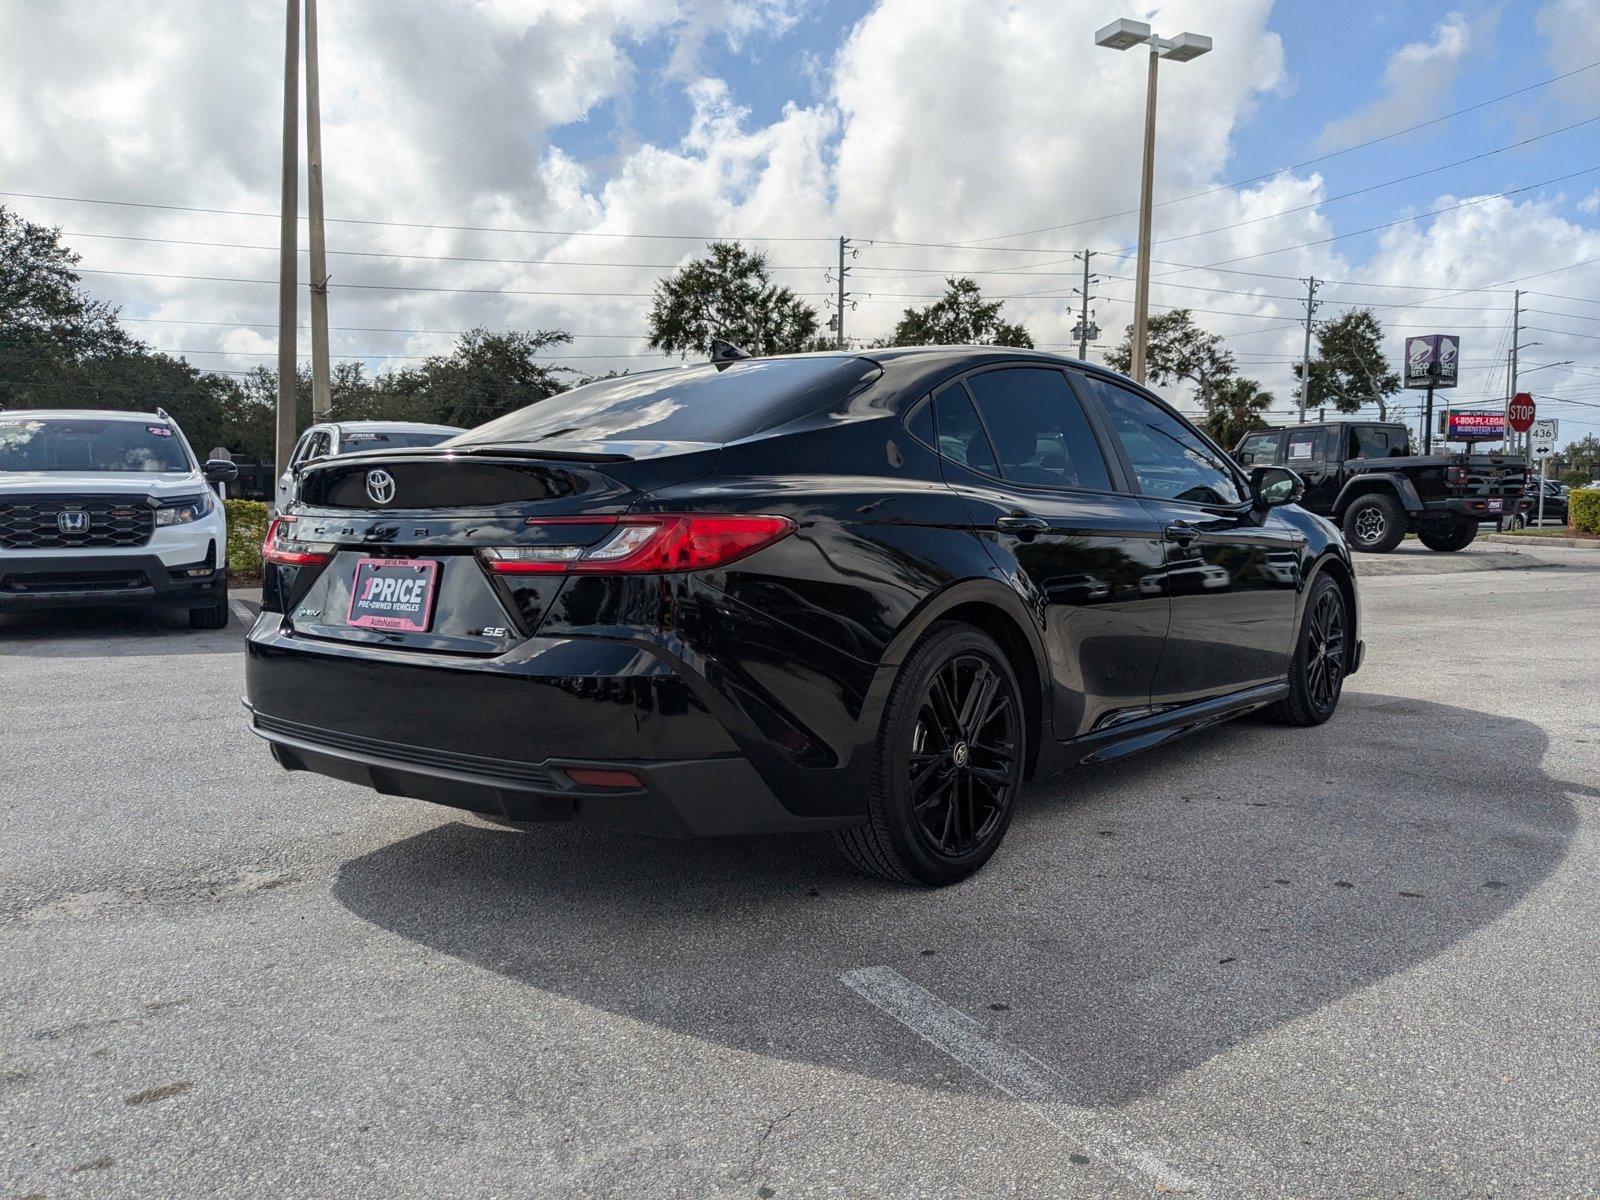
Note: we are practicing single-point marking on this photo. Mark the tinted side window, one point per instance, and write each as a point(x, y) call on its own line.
point(920, 423)
point(1305, 446)
point(1367, 442)
point(961, 437)
point(1169, 459)
point(1258, 449)
point(1038, 428)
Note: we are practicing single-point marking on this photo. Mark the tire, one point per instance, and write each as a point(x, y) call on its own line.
point(212, 616)
point(1516, 521)
point(1374, 523)
point(943, 788)
point(1457, 535)
point(1316, 680)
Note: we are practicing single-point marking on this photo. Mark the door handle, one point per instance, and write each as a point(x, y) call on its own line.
point(1022, 525)
point(1181, 532)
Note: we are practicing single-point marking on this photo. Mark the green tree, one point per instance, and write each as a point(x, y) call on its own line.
point(728, 294)
point(1237, 405)
point(1576, 463)
point(1177, 350)
point(1350, 369)
point(485, 376)
point(961, 317)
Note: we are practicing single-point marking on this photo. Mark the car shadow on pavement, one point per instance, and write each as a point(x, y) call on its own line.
point(114, 632)
point(1141, 918)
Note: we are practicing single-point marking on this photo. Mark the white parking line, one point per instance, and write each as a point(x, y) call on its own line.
point(1015, 1072)
point(243, 611)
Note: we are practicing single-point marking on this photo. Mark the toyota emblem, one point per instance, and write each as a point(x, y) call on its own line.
point(380, 486)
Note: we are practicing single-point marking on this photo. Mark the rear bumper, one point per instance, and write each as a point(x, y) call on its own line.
point(496, 736)
point(1479, 508)
point(67, 580)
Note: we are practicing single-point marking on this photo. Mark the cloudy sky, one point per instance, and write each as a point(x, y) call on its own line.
point(539, 163)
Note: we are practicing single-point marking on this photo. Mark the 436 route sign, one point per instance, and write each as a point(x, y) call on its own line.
point(1521, 411)
point(1542, 438)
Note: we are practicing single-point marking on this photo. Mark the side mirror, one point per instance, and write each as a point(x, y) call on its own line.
point(220, 470)
point(1273, 486)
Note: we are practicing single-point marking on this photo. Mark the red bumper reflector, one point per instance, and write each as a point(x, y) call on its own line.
point(600, 777)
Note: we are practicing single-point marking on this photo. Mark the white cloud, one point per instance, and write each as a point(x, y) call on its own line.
point(1417, 85)
point(936, 121)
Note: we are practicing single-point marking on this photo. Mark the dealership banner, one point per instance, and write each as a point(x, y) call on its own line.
point(1432, 360)
point(1472, 426)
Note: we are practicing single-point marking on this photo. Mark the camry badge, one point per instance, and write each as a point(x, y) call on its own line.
point(72, 522)
point(380, 486)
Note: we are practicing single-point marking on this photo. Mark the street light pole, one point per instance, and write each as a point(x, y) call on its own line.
point(1123, 34)
point(1141, 287)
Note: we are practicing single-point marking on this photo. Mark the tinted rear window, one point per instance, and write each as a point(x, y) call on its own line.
point(691, 404)
point(366, 439)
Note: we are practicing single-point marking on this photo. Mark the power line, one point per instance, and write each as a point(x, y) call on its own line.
point(1183, 237)
point(230, 212)
point(1223, 187)
point(1476, 200)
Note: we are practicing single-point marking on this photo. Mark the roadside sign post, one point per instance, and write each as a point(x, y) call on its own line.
point(1432, 361)
point(1542, 441)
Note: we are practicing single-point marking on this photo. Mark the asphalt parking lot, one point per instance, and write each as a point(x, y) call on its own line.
point(1355, 960)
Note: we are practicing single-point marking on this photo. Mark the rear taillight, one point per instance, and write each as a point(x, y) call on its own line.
point(282, 547)
point(644, 545)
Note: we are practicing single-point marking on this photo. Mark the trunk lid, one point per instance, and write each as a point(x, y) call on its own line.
point(430, 511)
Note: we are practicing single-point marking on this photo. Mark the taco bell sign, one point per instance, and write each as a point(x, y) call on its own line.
point(1432, 360)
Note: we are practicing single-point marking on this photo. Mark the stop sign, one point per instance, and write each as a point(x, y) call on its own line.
point(1521, 411)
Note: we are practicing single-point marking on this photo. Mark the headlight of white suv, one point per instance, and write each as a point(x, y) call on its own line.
point(183, 509)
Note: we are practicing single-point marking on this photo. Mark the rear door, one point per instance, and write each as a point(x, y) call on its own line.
point(1231, 573)
point(1021, 451)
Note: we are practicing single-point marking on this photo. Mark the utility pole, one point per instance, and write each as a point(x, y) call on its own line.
point(321, 396)
point(844, 246)
point(1305, 354)
point(1511, 364)
point(1085, 331)
point(288, 240)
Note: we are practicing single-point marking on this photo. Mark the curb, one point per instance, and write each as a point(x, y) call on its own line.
point(1511, 539)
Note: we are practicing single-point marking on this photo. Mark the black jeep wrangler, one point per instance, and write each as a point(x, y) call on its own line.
point(1363, 476)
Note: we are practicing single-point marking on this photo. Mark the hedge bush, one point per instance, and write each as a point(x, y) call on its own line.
point(247, 526)
point(1583, 510)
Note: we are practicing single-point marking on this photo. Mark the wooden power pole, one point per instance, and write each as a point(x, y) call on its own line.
point(321, 397)
point(289, 240)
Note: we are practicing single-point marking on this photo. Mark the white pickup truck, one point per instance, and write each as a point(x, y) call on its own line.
point(101, 508)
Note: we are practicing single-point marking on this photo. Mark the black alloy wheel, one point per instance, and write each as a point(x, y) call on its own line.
point(1322, 654)
point(949, 763)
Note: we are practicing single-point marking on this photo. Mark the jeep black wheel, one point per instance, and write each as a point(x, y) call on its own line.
point(1374, 523)
point(949, 763)
point(1445, 538)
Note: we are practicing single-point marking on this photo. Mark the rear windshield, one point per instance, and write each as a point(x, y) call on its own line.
point(689, 404)
point(388, 439)
point(53, 444)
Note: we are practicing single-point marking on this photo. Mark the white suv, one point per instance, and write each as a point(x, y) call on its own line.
point(102, 507)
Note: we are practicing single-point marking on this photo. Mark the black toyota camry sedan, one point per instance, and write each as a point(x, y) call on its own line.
point(870, 593)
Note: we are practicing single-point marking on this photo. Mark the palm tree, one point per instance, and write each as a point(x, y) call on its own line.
point(1234, 408)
